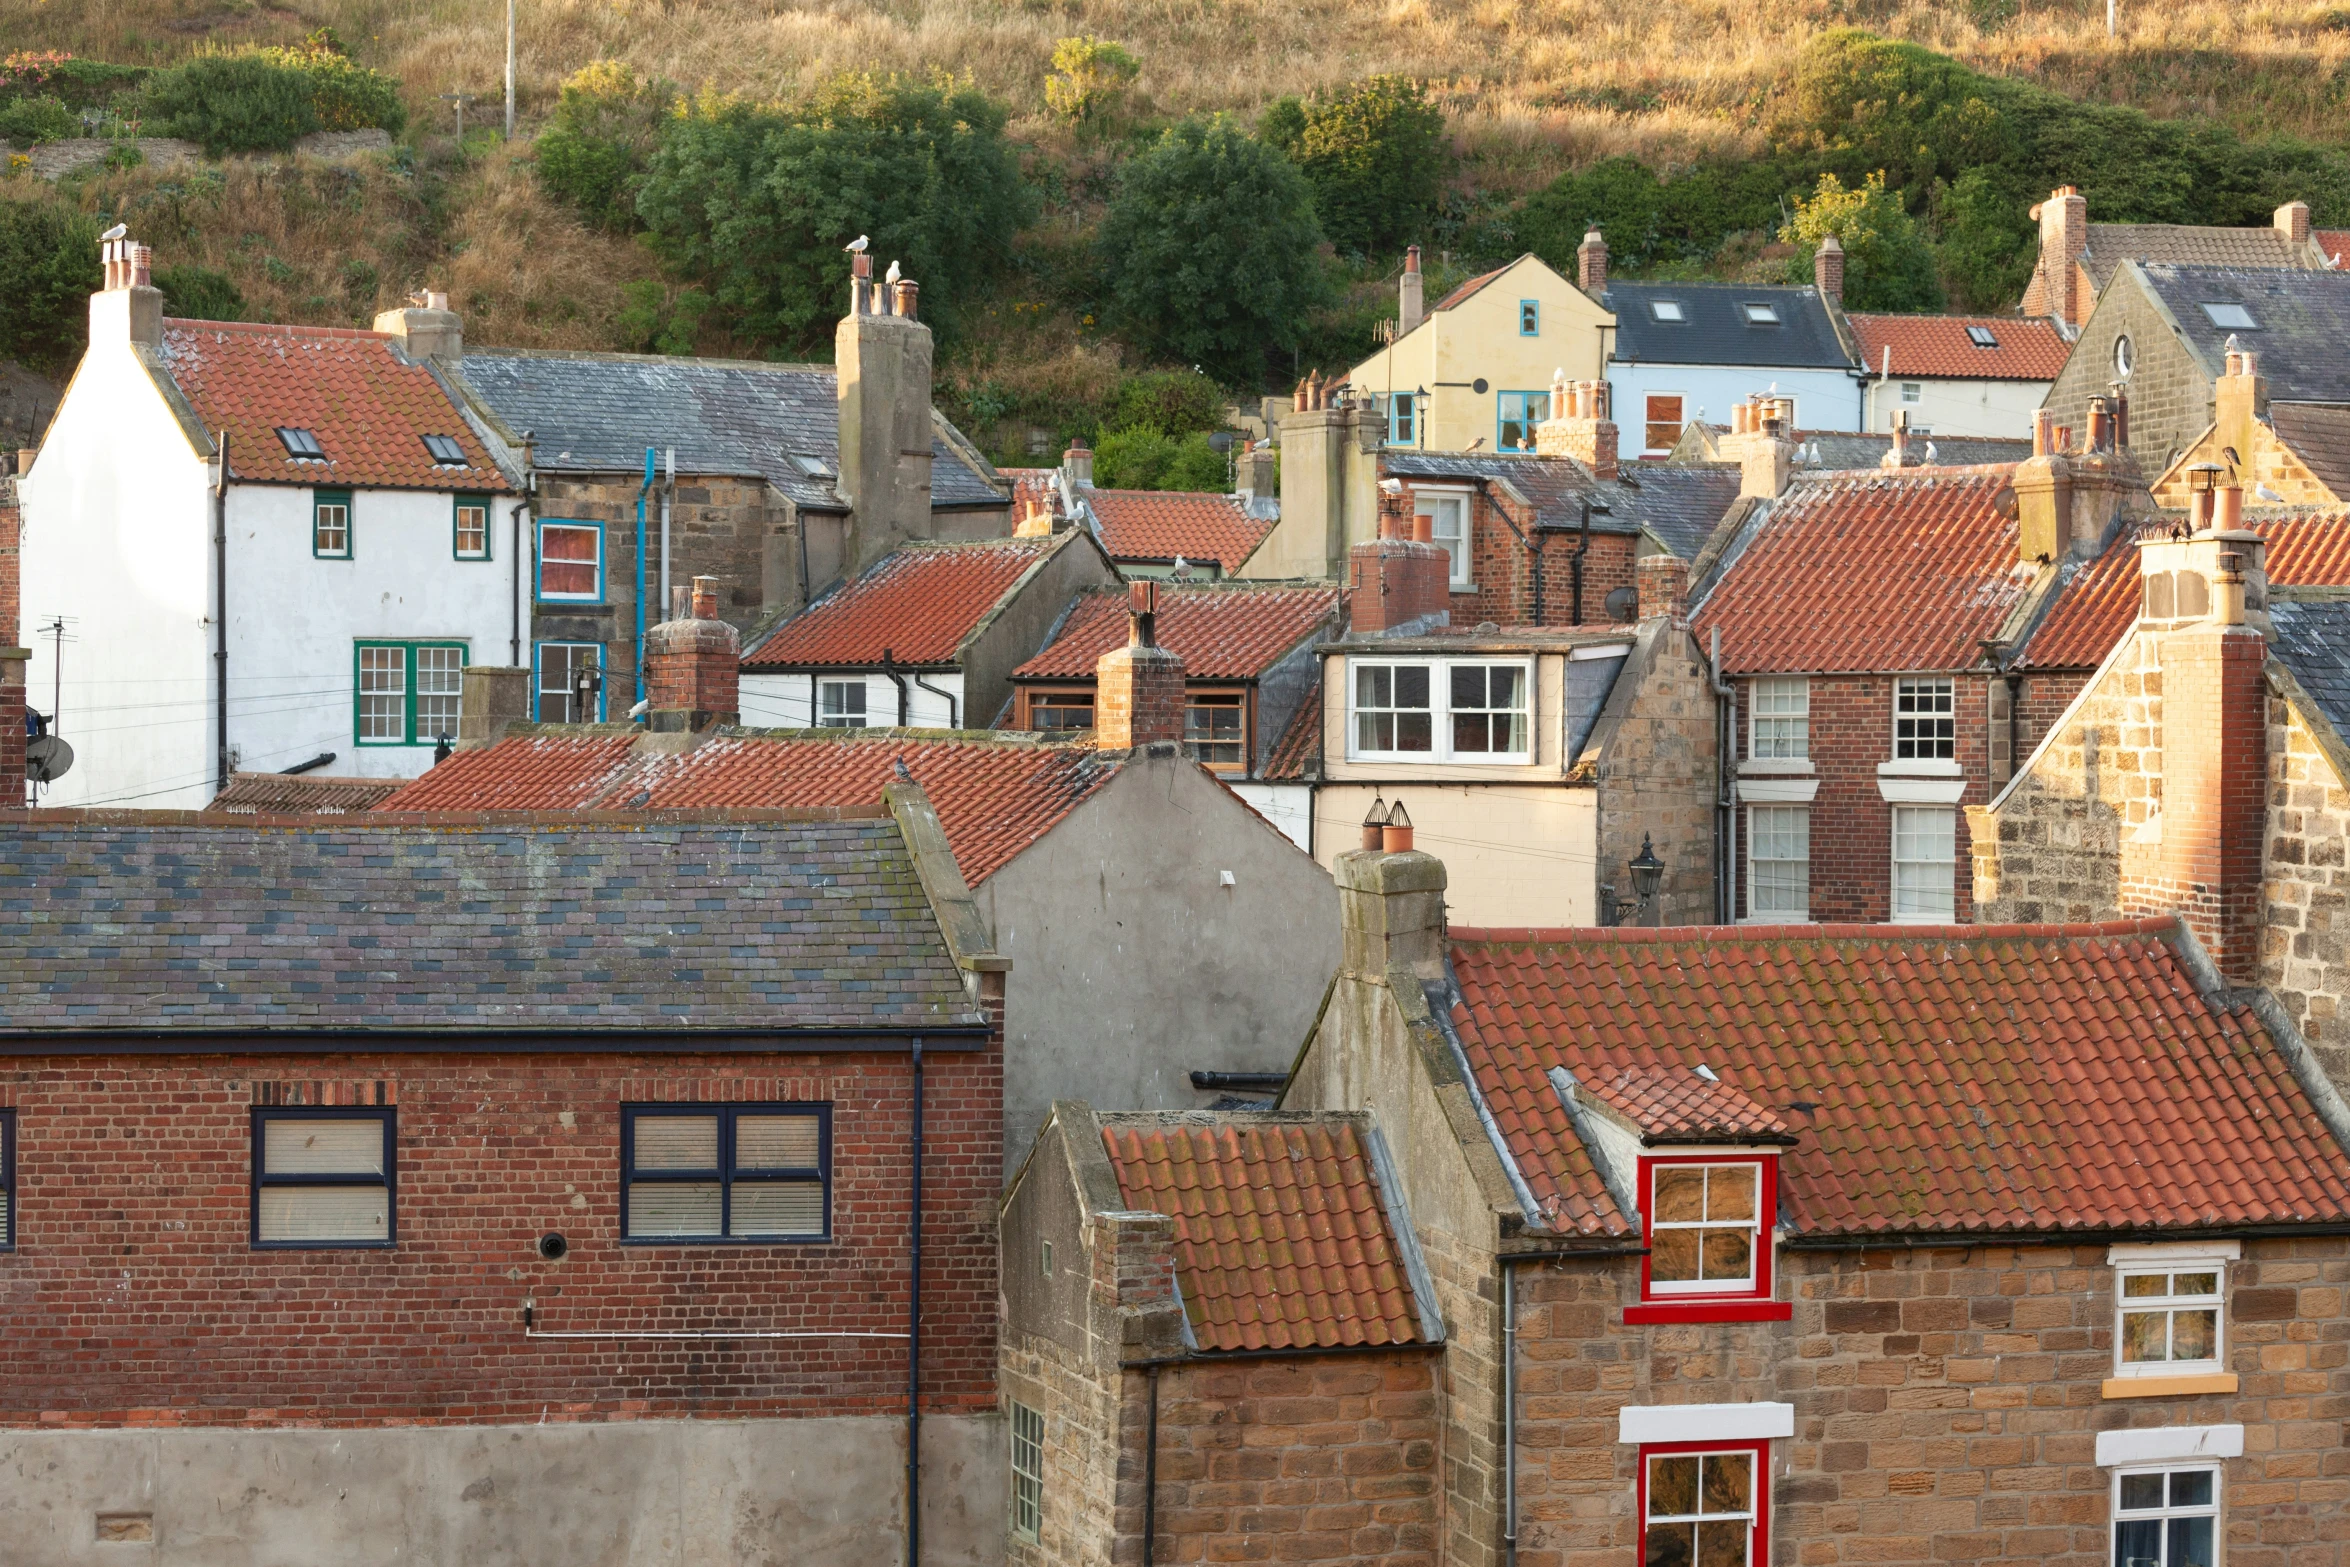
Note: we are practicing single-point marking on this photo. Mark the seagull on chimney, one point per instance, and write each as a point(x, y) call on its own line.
point(891, 276)
point(116, 232)
point(856, 247)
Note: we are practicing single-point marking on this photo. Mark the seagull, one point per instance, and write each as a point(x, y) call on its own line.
point(2268, 495)
point(1931, 454)
point(116, 232)
point(1182, 571)
point(891, 276)
point(857, 246)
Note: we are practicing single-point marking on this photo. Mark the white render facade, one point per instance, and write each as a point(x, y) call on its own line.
point(1998, 410)
point(857, 699)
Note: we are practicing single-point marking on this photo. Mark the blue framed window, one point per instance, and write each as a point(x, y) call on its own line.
point(1403, 418)
point(555, 689)
point(324, 1179)
point(571, 562)
point(1519, 412)
point(7, 1180)
point(1529, 318)
point(406, 693)
point(707, 1175)
point(330, 524)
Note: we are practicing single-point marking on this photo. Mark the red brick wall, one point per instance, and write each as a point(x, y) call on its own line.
point(134, 1297)
point(1504, 571)
point(1138, 697)
point(694, 666)
point(11, 529)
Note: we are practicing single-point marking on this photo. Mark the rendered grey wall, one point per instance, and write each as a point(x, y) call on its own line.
point(1018, 631)
point(1133, 966)
point(666, 1493)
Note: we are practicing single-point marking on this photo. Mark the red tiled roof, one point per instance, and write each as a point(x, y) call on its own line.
point(1870, 572)
point(281, 794)
point(1954, 1079)
point(1282, 1240)
point(1300, 743)
point(993, 798)
point(1940, 346)
point(1221, 632)
point(1682, 1104)
point(1031, 488)
point(918, 604)
point(1470, 287)
point(369, 408)
point(1162, 524)
point(2100, 602)
point(2334, 242)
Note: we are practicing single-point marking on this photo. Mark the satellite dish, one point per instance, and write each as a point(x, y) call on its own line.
point(47, 759)
point(1623, 603)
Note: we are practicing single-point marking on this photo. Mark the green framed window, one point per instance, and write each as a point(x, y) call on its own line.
point(330, 524)
point(469, 527)
point(406, 693)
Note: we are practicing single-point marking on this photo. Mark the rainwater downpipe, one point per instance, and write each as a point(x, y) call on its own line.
point(514, 645)
point(1582, 547)
point(1150, 1472)
point(1725, 798)
point(642, 549)
point(889, 667)
point(219, 605)
point(954, 709)
point(668, 490)
point(1509, 1410)
point(914, 1342)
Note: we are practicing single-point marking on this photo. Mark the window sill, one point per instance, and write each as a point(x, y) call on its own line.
point(1666, 1311)
point(2170, 1387)
point(1775, 767)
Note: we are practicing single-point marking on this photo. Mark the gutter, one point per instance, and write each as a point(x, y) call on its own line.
point(622, 1037)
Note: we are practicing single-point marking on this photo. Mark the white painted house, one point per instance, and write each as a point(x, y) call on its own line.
point(1958, 375)
point(359, 552)
point(1687, 351)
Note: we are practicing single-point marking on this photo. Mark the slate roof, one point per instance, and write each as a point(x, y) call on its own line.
point(474, 928)
point(1300, 743)
point(2303, 330)
point(2313, 641)
point(1954, 1080)
point(1937, 557)
point(2320, 436)
point(1156, 525)
point(598, 412)
point(2188, 244)
point(920, 603)
point(994, 796)
point(1283, 1237)
point(367, 403)
point(1939, 347)
point(1679, 1104)
point(1679, 505)
point(1716, 331)
point(278, 794)
point(1221, 631)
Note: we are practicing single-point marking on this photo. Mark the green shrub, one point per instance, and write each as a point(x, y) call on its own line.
point(196, 293)
point(1143, 458)
point(1988, 244)
point(234, 103)
point(37, 120)
point(1209, 251)
point(652, 322)
point(1375, 155)
point(756, 203)
point(1178, 402)
point(1887, 263)
point(596, 146)
point(344, 95)
point(49, 255)
point(1088, 78)
point(87, 84)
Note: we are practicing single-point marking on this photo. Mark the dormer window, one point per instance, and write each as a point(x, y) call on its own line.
point(1761, 315)
point(446, 451)
point(2231, 318)
point(1666, 310)
point(1982, 337)
point(1702, 1225)
point(301, 445)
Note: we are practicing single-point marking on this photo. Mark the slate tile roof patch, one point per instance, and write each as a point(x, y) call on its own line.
point(2313, 641)
point(1941, 347)
point(1714, 329)
point(1155, 525)
point(1967, 1079)
point(1221, 631)
point(2303, 331)
point(1283, 1239)
point(918, 604)
point(2189, 244)
point(277, 794)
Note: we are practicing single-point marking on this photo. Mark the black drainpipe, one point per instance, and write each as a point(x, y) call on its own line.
point(889, 667)
point(220, 602)
point(914, 1343)
point(1150, 1475)
point(1725, 787)
point(954, 709)
point(514, 649)
point(1582, 547)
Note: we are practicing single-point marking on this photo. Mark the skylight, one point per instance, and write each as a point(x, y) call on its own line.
point(301, 445)
point(1761, 315)
point(445, 450)
point(1982, 337)
point(1666, 310)
point(2234, 318)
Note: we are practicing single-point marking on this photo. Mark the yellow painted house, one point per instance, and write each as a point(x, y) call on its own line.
point(1475, 373)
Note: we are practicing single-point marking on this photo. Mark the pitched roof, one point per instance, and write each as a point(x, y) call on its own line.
point(1222, 631)
point(2335, 243)
point(368, 404)
point(1162, 524)
point(2111, 244)
point(2302, 330)
point(1300, 743)
point(1682, 1105)
point(1844, 451)
point(1966, 1079)
point(994, 797)
point(1283, 1237)
point(1943, 347)
point(1462, 294)
point(598, 412)
point(1934, 555)
point(2313, 641)
point(282, 794)
point(1031, 488)
point(372, 924)
point(1714, 329)
point(2320, 436)
point(1679, 505)
point(919, 604)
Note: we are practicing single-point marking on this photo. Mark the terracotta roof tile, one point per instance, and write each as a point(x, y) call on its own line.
point(1461, 294)
point(1162, 524)
point(1300, 743)
point(1941, 346)
point(1936, 556)
point(1282, 1239)
point(1956, 1079)
point(918, 604)
point(370, 408)
point(1032, 488)
point(994, 798)
point(2334, 242)
point(280, 794)
point(1683, 1104)
point(1221, 631)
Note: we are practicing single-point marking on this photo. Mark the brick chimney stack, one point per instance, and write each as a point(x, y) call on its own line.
point(13, 659)
point(1827, 269)
point(1401, 580)
point(882, 356)
point(129, 309)
point(2292, 221)
point(1138, 688)
point(1591, 263)
point(1411, 294)
point(1663, 584)
point(1578, 425)
point(693, 667)
point(2064, 237)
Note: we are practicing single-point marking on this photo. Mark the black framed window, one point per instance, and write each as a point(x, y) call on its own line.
point(7, 1180)
point(323, 1178)
point(713, 1174)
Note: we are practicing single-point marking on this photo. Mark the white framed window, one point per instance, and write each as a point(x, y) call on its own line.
point(1925, 719)
point(1661, 421)
point(2168, 1317)
point(2166, 1517)
point(1457, 710)
point(1912, 392)
point(1668, 310)
point(1760, 314)
point(1982, 337)
point(1779, 719)
point(840, 704)
point(1704, 1504)
point(1448, 525)
point(2230, 318)
point(1704, 1227)
point(1778, 862)
point(1027, 1471)
point(1925, 852)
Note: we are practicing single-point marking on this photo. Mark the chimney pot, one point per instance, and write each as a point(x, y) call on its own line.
point(1395, 837)
point(908, 294)
point(1374, 824)
point(705, 598)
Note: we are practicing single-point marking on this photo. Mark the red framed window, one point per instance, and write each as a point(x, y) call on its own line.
point(1706, 1224)
point(1705, 1504)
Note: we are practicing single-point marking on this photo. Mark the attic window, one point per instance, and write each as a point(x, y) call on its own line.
point(2234, 318)
point(811, 467)
point(1982, 337)
point(301, 445)
point(446, 451)
point(1761, 315)
point(1666, 310)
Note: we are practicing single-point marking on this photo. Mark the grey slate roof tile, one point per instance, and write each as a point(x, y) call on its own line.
point(2303, 331)
point(2313, 641)
point(1680, 505)
point(1715, 330)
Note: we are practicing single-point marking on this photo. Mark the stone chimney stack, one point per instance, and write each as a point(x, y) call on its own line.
point(1827, 269)
point(1591, 263)
point(1391, 914)
point(13, 659)
point(490, 697)
point(1900, 454)
point(2043, 486)
point(2292, 221)
point(1578, 425)
point(1762, 445)
point(1411, 296)
point(693, 667)
point(129, 309)
point(1401, 580)
point(2238, 401)
point(1138, 688)
point(1663, 584)
point(2064, 237)
point(1253, 477)
point(1077, 463)
point(426, 327)
point(882, 359)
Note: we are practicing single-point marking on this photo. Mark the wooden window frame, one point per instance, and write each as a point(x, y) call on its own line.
point(538, 683)
point(2215, 1509)
point(1895, 861)
point(1648, 422)
point(8, 1187)
point(457, 508)
point(409, 649)
point(864, 714)
point(1753, 1302)
point(319, 501)
point(539, 574)
point(1753, 878)
point(1758, 1452)
point(1026, 1506)
point(1233, 699)
point(388, 1116)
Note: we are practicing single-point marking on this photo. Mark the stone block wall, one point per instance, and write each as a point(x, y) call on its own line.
point(1659, 775)
point(2305, 950)
point(2170, 393)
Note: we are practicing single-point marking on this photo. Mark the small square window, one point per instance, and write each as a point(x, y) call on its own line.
point(712, 1174)
point(1394, 710)
point(1703, 1505)
point(2166, 1517)
point(1912, 392)
point(1488, 709)
point(1982, 337)
point(1662, 421)
point(1027, 1471)
point(1761, 315)
point(1779, 719)
point(840, 704)
point(571, 562)
point(2234, 318)
point(1214, 730)
point(301, 445)
point(470, 527)
point(447, 451)
point(2168, 1318)
point(1519, 413)
point(1529, 318)
point(323, 1178)
point(565, 668)
point(1704, 1227)
point(330, 524)
point(1666, 310)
